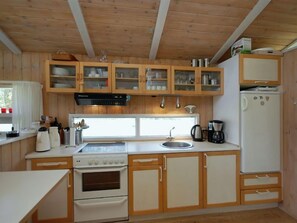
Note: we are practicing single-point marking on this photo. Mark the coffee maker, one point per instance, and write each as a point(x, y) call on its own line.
point(215, 131)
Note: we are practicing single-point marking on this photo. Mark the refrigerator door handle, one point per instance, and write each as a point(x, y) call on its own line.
point(244, 103)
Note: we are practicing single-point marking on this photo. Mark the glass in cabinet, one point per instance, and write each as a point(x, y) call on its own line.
point(212, 80)
point(184, 80)
point(95, 77)
point(126, 78)
point(62, 76)
point(157, 79)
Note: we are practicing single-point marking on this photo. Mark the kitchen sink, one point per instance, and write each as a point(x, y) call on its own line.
point(177, 145)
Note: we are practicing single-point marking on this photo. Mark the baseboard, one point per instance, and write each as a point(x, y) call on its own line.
point(203, 211)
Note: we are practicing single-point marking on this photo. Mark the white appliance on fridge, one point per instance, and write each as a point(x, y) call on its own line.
point(260, 131)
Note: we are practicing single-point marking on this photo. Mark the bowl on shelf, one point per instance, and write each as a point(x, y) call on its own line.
point(60, 71)
point(61, 85)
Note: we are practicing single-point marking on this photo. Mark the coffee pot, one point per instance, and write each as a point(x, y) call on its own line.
point(196, 133)
point(42, 140)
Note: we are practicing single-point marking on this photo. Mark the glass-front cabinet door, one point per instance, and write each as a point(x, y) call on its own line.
point(184, 80)
point(157, 79)
point(62, 76)
point(95, 77)
point(212, 81)
point(127, 78)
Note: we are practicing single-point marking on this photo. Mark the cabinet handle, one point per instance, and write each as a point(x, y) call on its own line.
point(205, 156)
point(161, 174)
point(164, 162)
point(51, 164)
point(263, 178)
point(264, 82)
point(144, 160)
point(263, 193)
point(69, 183)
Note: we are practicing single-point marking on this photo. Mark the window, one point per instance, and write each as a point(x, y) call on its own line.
point(135, 126)
point(5, 108)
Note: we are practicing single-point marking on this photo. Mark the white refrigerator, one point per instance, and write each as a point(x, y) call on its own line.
point(260, 123)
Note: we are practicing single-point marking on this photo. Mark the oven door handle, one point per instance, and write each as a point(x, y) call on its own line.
point(82, 204)
point(92, 170)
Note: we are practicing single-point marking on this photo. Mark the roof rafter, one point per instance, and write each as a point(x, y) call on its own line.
point(162, 14)
point(9, 43)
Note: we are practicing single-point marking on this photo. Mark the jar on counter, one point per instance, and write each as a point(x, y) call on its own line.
point(54, 137)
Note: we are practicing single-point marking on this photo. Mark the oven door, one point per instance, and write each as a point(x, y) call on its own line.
point(100, 182)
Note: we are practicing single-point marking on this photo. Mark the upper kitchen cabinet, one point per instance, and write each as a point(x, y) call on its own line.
point(65, 77)
point(211, 80)
point(127, 78)
point(95, 77)
point(257, 70)
point(62, 76)
point(184, 80)
point(197, 80)
point(157, 79)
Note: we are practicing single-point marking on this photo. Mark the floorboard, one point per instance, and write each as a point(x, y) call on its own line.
point(272, 215)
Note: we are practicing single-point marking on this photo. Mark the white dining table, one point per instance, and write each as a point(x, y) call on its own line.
point(22, 191)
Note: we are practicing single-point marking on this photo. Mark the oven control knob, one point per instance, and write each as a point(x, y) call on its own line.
point(110, 161)
point(96, 162)
point(121, 161)
point(90, 162)
point(116, 161)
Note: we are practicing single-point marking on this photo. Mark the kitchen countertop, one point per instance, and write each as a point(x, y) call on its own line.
point(22, 191)
point(4, 140)
point(149, 147)
point(140, 147)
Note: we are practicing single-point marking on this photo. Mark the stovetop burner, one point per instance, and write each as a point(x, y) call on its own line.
point(108, 147)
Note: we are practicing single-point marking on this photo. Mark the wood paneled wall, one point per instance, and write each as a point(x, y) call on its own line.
point(30, 67)
point(290, 133)
point(12, 155)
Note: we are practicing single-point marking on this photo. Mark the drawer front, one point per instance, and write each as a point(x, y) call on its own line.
point(145, 160)
point(261, 196)
point(51, 163)
point(253, 181)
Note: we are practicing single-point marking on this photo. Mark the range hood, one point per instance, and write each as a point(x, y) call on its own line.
point(101, 99)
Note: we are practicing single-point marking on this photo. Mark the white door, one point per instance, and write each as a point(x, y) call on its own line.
point(146, 192)
point(183, 177)
point(221, 178)
point(260, 132)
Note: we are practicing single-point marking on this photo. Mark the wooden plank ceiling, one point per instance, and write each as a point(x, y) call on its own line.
point(193, 28)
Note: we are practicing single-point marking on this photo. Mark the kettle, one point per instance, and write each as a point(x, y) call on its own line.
point(42, 140)
point(196, 133)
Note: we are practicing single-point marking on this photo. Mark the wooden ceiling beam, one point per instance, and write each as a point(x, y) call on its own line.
point(81, 25)
point(257, 9)
point(162, 14)
point(9, 43)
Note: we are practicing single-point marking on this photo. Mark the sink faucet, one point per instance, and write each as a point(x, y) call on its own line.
point(170, 136)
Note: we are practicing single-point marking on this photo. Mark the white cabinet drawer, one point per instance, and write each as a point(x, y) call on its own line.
point(261, 196)
point(264, 180)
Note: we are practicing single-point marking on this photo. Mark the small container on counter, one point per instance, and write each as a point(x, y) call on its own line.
point(54, 137)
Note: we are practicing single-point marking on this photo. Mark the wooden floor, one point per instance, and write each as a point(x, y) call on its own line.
point(273, 215)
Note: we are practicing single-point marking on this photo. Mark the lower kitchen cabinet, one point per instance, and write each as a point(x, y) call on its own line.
point(160, 183)
point(182, 181)
point(145, 184)
point(221, 178)
point(58, 206)
point(261, 188)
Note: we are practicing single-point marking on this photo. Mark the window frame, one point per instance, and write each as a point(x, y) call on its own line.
point(137, 122)
point(6, 118)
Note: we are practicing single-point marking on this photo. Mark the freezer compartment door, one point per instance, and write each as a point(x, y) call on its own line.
point(260, 132)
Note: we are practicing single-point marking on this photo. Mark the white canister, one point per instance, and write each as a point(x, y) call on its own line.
point(72, 137)
point(54, 137)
